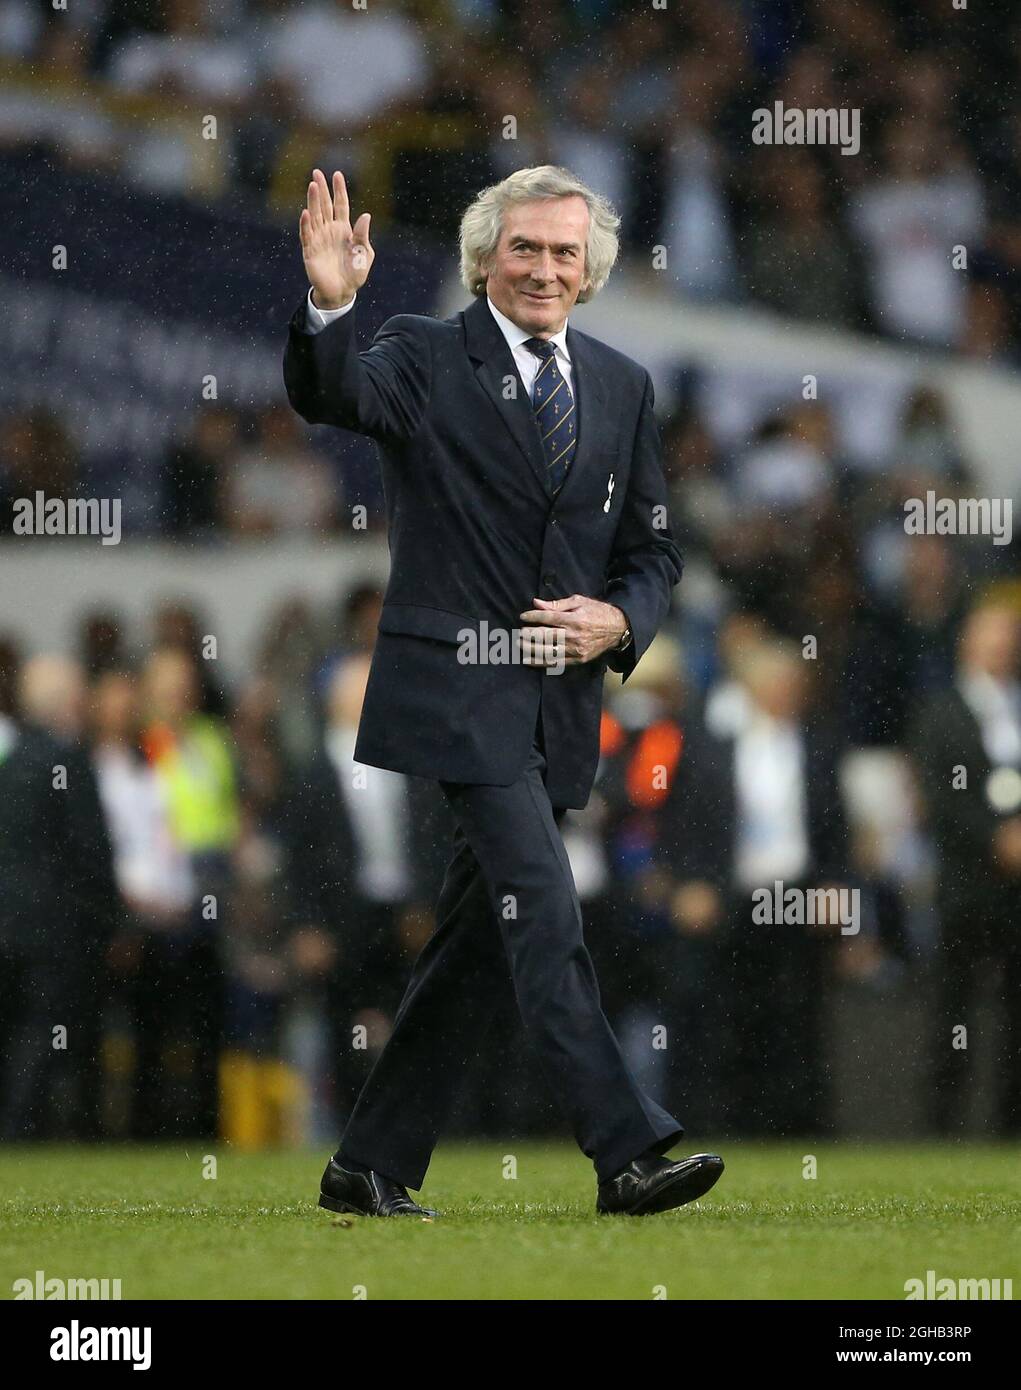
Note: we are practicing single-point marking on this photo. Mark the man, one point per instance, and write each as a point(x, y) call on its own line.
point(966, 743)
point(183, 968)
point(523, 481)
point(769, 808)
point(351, 877)
point(58, 910)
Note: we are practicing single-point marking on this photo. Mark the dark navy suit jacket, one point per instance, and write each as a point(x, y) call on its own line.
point(475, 535)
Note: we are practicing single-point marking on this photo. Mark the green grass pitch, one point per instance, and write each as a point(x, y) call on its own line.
point(874, 1217)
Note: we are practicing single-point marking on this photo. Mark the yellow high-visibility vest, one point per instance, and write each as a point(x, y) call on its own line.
point(197, 771)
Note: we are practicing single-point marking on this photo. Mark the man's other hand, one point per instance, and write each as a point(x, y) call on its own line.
point(337, 256)
point(590, 627)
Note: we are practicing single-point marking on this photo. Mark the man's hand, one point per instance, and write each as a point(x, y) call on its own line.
point(337, 257)
point(572, 630)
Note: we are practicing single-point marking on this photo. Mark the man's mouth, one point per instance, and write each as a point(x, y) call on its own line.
point(541, 298)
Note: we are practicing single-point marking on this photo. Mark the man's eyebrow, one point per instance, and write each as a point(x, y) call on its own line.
point(519, 240)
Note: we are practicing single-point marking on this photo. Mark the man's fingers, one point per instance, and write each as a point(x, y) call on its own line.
point(324, 201)
point(329, 200)
point(361, 248)
point(319, 202)
point(543, 646)
point(341, 205)
point(548, 616)
point(564, 605)
point(360, 231)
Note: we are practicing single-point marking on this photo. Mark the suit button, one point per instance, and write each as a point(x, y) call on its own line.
point(549, 578)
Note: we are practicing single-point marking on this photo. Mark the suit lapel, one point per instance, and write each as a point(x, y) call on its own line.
point(590, 395)
point(494, 363)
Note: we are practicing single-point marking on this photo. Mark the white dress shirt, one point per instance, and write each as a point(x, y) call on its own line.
point(772, 831)
point(526, 362)
point(378, 811)
point(150, 866)
point(997, 707)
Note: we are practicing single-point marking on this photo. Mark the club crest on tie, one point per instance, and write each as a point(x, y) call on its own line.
point(609, 493)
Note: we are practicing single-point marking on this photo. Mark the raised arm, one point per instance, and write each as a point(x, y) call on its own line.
point(381, 392)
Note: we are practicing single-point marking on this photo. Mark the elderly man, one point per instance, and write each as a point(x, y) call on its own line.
point(530, 550)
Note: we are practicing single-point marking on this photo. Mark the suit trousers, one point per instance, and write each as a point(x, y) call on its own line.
point(507, 920)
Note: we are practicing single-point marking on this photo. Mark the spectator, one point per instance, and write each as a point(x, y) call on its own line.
point(195, 471)
point(966, 742)
point(580, 140)
point(346, 68)
point(194, 761)
point(58, 912)
point(660, 956)
point(279, 486)
point(769, 808)
point(697, 228)
point(926, 200)
point(37, 454)
point(157, 886)
point(798, 257)
point(187, 60)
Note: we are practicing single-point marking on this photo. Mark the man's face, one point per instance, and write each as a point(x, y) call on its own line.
point(538, 268)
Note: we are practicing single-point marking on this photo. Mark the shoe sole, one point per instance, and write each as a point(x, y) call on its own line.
point(346, 1209)
point(684, 1188)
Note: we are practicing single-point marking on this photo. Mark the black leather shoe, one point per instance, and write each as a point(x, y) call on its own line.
point(366, 1193)
point(649, 1185)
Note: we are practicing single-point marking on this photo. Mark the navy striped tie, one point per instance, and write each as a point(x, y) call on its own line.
point(554, 412)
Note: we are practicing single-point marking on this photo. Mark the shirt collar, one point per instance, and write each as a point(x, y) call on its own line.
point(516, 336)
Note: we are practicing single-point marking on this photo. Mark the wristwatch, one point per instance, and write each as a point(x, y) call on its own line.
point(624, 642)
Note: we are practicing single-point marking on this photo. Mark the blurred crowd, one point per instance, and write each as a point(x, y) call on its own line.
point(210, 910)
point(422, 102)
point(916, 238)
point(206, 894)
point(790, 493)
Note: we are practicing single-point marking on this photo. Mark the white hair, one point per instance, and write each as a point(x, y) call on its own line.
point(482, 224)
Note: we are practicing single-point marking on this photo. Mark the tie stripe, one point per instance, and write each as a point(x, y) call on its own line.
point(555, 427)
point(555, 414)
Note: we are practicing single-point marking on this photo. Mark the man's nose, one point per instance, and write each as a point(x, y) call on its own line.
point(542, 270)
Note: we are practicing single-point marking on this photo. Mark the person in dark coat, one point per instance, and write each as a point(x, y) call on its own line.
point(529, 550)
